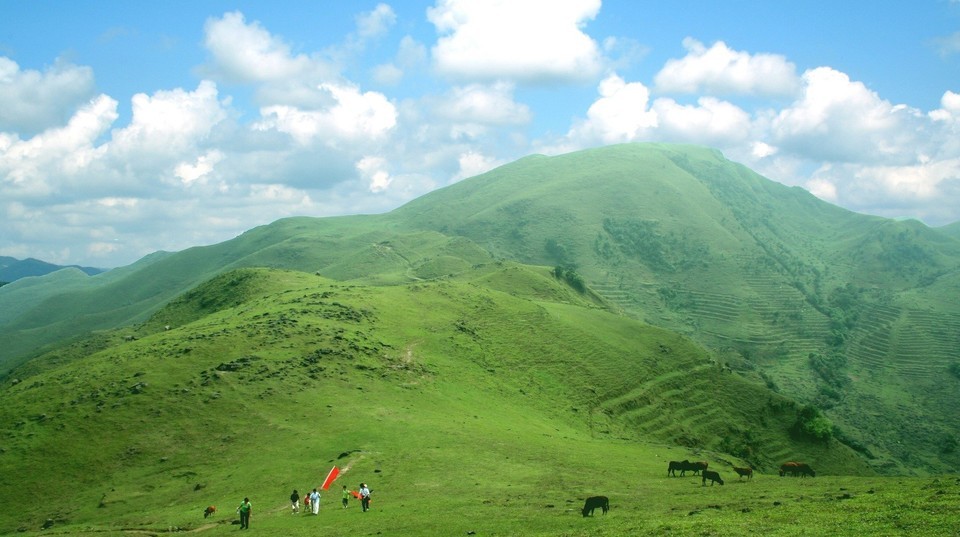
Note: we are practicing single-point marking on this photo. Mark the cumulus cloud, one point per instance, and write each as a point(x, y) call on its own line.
point(31, 101)
point(170, 122)
point(621, 114)
point(247, 53)
point(355, 116)
point(710, 122)
point(473, 163)
point(840, 120)
point(531, 41)
point(374, 171)
point(484, 104)
point(34, 167)
point(722, 70)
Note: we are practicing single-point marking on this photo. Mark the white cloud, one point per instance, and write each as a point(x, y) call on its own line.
point(621, 114)
point(484, 104)
point(529, 41)
point(374, 172)
point(31, 101)
point(355, 116)
point(34, 167)
point(202, 167)
point(170, 122)
point(721, 70)
point(711, 122)
point(473, 163)
point(839, 120)
point(376, 22)
point(247, 53)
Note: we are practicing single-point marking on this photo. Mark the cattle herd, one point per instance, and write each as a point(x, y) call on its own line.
point(793, 469)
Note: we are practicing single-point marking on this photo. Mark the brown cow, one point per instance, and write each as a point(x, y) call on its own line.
point(744, 472)
point(795, 469)
point(209, 511)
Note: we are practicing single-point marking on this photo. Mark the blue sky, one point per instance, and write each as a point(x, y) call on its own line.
point(131, 127)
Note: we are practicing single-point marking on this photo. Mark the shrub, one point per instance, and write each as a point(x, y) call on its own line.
point(812, 424)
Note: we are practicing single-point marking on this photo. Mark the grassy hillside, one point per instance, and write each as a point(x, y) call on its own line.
point(41, 311)
point(500, 391)
point(851, 313)
point(851, 316)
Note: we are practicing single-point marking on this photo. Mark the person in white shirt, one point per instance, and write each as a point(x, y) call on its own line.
point(364, 497)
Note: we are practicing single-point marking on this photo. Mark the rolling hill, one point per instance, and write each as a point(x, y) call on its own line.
point(489, 387)
point(12, 269)
point(775, 297)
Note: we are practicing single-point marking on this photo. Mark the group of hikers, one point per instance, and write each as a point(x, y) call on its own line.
point(311, 501)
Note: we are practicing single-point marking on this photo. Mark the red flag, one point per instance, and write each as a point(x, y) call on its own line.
point(334, 472)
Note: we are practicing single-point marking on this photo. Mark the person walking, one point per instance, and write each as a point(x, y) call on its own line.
point(245, 509)
point(295, 501)
point(345, 497)
point(364, 497)
point(315, 501)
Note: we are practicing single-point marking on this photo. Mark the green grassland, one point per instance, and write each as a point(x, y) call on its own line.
point(492, 353)
point(466, 409)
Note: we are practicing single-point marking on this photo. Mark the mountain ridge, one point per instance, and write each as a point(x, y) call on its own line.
point(826, 306)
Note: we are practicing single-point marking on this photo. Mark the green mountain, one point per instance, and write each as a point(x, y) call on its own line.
point(625, 306)
point(13, 269)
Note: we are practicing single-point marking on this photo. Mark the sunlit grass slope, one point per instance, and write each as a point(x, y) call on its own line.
point(854, 315)
point(465, 407)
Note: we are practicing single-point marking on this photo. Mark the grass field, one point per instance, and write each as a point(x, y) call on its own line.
point(436, 394)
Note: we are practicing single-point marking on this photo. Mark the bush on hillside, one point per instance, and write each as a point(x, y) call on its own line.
point(570, 276)
point(812, 425)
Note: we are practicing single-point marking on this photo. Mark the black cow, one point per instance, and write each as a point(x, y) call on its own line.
point(683, 466)
point(714, 477)
point(594, 502)
point(698, 466)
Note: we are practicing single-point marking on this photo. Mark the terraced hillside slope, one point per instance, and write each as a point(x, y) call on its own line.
point(500, 390)
point(853, 316)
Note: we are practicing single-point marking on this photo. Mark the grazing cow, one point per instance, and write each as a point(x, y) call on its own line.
point(788, 468)
point(698, 466)
point(594, 502)
point(683, 466)
point(795, 469)
point(714, 477)
point(209, 511)
point(744, 472)
point(804, 470)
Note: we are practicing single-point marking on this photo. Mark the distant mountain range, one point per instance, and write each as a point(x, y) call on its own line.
point(12, 269)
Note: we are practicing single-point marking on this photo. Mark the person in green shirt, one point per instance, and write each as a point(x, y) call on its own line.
point(346, 497)
point(244, 510)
